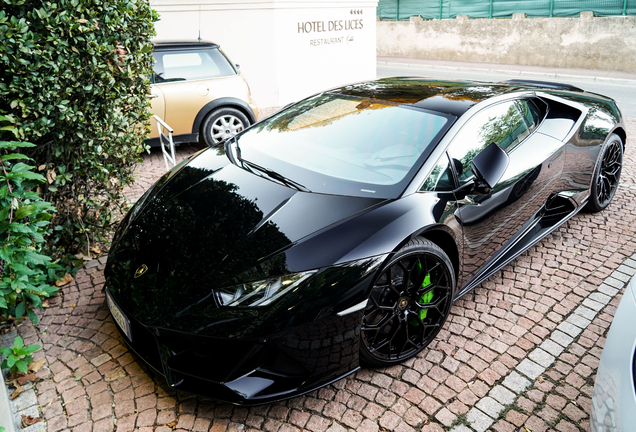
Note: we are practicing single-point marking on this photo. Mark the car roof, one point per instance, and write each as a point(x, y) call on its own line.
point(182, 45)
point(451, 97)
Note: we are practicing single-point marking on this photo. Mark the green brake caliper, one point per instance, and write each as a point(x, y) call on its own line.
point(425, 298)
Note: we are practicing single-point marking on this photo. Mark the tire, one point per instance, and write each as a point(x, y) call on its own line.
point(607, 174)
point(222, 124)
point(403, 315)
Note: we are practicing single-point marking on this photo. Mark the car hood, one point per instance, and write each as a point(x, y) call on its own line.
point(212, 224)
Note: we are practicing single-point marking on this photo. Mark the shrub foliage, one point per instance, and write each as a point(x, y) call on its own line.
point(25, 272)
point(74, 78)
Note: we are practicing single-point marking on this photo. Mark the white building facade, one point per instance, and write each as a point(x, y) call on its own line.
point(287, 50)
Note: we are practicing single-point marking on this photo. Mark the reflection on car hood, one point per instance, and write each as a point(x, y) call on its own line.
point(206, 228)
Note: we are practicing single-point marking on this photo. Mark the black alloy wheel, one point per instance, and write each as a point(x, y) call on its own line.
point(408, 305)
point(607, 174)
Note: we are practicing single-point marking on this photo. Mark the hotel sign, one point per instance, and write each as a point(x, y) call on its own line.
point(332, 26)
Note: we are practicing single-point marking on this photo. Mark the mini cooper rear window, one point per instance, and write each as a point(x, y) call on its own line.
point(190, 65)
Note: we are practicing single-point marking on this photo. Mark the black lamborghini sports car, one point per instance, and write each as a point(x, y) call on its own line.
point(342, 228)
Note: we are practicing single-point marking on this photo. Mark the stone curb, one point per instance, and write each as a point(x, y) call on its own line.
point(5, 407)
point(505, 72)
point(26, 403)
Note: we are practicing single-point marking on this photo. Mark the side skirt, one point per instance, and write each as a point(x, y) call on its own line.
point(554, 214)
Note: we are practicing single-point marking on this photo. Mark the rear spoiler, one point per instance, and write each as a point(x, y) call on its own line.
point(544, 84)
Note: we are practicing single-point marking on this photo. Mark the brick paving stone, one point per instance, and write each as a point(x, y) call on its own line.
point(445, 417)
point(516, 382)
point(578, 321)
point(593, 304)
point(368, 426)
point(478, 420)
point(335, 427)
point(551, 347)
point(390, 420)
point(535, 424)
point(461, 428)
point(530, 368)
point(414, 417)
point(541, 357)
point(148, 417)
point(503, 426)
point(490, 406)
point(502, 395)
point(317, 423)
point(166, 417)
point(220, 425)
point(566, 426)
point(574, 413)
point(569, 329)
point(373, 411)
point(404, 427)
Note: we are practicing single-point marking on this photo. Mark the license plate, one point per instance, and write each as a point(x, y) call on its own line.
point(118, 316)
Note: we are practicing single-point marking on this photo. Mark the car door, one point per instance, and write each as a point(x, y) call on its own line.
point(189, 79)
point(157, 107)
point(492, 222)
point(181, 76)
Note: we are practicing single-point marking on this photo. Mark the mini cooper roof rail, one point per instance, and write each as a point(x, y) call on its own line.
point(544, 84)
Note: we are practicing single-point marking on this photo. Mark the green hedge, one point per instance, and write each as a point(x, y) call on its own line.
point(74, 78)
point(447, 9)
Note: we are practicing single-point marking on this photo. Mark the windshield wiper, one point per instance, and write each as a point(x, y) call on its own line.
point(236, 159)
point(251, 166)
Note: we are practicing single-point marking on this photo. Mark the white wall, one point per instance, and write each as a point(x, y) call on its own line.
point(588, 42)
point(287, 49)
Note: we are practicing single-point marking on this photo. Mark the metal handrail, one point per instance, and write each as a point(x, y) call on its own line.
point(166, 141)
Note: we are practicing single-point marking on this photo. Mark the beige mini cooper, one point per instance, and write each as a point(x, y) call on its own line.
point(199, 93)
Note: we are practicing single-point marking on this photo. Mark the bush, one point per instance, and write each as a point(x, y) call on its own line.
point(25, 272)
point(19, 357)
point(74, 77)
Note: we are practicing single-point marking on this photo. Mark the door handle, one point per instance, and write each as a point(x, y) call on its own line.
point(152, 96)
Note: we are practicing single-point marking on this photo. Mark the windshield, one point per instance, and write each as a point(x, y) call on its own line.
point(345, 145)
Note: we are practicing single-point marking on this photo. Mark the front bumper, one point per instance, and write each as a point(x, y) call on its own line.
point(250, 372)
point(614, 397)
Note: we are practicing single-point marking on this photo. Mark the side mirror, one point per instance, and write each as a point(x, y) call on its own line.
point(238, 68)
point(489, 166)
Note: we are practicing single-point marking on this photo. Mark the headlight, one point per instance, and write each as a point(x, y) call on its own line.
point(260, 293)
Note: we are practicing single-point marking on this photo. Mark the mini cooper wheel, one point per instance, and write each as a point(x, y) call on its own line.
point(607, 174)
point(222, 124)
point(408, 305)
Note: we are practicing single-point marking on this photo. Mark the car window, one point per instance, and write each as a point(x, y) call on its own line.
point(530, 112)
point(190, 65)
point(346, 145)
point(441, 178)
point(502, 124)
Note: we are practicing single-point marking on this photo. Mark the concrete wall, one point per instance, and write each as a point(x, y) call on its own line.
point(287, 49)
point(604, 43)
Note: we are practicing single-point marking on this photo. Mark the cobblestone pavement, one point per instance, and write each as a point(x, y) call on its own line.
point(518, 352)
